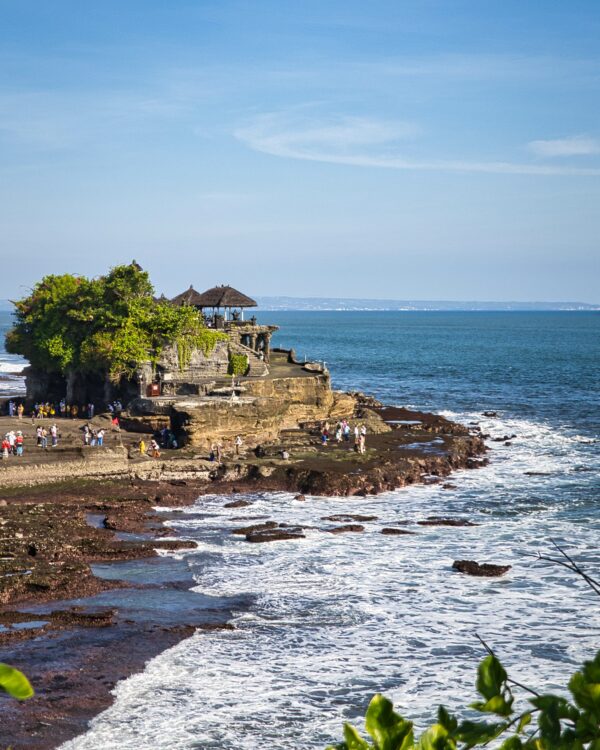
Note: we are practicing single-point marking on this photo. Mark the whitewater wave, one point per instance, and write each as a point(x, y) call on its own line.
point(336, 618)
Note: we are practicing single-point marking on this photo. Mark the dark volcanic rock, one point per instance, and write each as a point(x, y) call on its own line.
point(300, 498)
point(351, 527)
point(255, 528)
point(274, 535)
point(435, 521)
point(485, 570)
point(396, 532)
point(347, 517)
point(490, 413)
point(237, 504)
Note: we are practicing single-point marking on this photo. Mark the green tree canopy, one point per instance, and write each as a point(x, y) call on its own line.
point(109, 324)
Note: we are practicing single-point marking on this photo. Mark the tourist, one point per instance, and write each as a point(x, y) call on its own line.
point(338, 432)
point(86, 435)
point(38, 434)
point(100, 438)
point(54, 435)
point(324, 438)
point(94, 439)
point(74, 411)
point(90, 409)
point(142, 447)
point(285, 455)
point(155, 450)
point(19, 443)
point(11, 442)
point(346, 431)
point(62, 407)
point(362, 439)
point(116, 427)
point(11, 408)
point(211, 455)
point(5, 447)
point(219, 453)
point(238, 444)
point(20, 410)
point(356, 438)
point(44, 437)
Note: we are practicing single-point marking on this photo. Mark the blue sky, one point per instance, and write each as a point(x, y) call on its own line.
point(425, 150)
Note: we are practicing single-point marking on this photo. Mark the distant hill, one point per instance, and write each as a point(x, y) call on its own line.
point(335, 303)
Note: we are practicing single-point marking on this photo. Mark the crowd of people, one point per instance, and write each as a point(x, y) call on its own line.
point(342, 434)
point(13, 442)
point(63, 410)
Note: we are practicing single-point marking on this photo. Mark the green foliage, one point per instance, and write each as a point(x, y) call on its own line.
point(238, 364)
point(15, 683)
point(110, 324)
point(545, 722)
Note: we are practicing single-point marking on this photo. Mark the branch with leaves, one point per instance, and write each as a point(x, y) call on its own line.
point(542, 722)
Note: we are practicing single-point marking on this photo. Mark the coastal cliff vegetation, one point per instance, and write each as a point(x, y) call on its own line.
point(108, 324)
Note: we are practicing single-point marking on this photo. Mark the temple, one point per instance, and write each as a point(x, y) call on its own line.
point(244, 350)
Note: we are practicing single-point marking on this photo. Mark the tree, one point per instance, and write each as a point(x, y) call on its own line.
point(70, 324)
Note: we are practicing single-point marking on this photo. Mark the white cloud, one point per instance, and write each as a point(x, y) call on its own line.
point(367, 142)
point(575, 145)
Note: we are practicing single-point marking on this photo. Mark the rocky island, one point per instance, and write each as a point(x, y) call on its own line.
point(230, 415)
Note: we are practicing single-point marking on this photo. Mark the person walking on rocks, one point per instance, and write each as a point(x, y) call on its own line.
point(5, 447)
point(356, 438)
point(346, 431)
point(154, 448)
point(44, 437)
point(20, 410)
point(238, 444)
point(54, 435)
point(142, 447)
point(100, 438)
point(19, 443)
point(219, 453)
point(362, 440)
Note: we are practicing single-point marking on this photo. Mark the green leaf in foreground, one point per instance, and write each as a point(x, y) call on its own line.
point(15, 683)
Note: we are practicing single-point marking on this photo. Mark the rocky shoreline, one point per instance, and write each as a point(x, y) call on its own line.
point(53, 621)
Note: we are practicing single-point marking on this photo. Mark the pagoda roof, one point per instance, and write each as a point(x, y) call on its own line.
point(223, 296)
point(189, 297)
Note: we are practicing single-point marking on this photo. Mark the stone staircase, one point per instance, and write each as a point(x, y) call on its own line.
point(257, 367)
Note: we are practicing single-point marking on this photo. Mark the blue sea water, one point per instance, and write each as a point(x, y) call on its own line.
point(329, 620)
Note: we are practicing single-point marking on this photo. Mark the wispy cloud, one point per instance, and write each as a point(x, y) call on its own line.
point(367, 142)
point(575, 145)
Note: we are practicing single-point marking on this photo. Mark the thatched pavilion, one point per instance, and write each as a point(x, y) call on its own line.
point(220, 300)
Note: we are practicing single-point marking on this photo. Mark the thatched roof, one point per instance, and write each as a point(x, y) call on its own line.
point(189, 297)
point(223, 296)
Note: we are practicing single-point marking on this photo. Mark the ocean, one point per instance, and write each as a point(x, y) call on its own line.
point(330, 620)
point(11, 384)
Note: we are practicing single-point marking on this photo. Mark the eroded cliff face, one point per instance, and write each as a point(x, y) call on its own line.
point(267, 407)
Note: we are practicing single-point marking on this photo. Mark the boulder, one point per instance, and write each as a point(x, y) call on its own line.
point(348, 528)
point(391, 530)
point(346, 518)
point(274, 535)
point(237, 504)
point(435, 521)
point(255, 528)
point(485, 570)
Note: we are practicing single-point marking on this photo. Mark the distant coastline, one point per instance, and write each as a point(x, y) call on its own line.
point(344, 304)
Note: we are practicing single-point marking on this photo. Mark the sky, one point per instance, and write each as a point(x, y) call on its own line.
point(439, 149)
